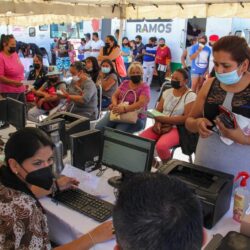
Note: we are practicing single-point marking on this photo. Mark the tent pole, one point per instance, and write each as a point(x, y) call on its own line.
point(122, 18)
point(8, 25)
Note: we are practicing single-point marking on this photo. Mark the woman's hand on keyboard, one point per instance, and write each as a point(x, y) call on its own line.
point(65, 182)
point(103, 232)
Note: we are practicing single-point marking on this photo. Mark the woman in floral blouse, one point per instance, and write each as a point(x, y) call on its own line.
point(26, 176)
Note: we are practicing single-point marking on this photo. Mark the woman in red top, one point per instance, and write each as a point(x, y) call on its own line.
point(162, 60)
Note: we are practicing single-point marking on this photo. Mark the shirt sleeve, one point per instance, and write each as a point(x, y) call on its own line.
point(190, 97)
point(192, 50)
point(89, 90)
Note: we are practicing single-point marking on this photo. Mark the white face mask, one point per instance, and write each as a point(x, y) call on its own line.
point(63, 38)
point(75, 78)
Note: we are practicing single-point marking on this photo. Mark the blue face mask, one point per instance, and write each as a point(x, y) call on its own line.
point(105, 70)
point(228, 78)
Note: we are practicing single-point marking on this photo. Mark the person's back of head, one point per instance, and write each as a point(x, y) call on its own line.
point(154, 211)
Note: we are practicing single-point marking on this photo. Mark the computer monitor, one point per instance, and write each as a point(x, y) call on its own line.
point(86, 149)
point(127, 153)
point(3, 110)
point(52, 126)
point(16, 113)
point(73, 124)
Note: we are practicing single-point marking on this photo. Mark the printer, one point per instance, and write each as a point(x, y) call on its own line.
point(213, 188)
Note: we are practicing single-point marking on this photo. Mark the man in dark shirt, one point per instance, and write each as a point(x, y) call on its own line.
point(139, 48)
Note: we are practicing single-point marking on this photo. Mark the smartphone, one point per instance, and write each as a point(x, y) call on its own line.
point(227, 117)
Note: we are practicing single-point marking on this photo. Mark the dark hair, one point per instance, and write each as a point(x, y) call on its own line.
point(94, 63)
point(138, 37)
point(24, 144)
point(83, 40)
point(117, 31)
point(95, 34)
point(162, 39)
point(39, 57)
point(236, 46)
point(112, 38)
point(155, 211)
point(87, 35)
point(5, 39)
point(183, 72)
point(124, 38)
point(153, 39)
point(203, 37)
point(94, 73)
point(79, 66)
point(112, 68)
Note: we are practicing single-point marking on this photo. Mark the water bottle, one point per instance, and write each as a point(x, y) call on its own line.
point(58, 153)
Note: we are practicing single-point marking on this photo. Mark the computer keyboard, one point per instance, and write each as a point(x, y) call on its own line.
point(86, 204)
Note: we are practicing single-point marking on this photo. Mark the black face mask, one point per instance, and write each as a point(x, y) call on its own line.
point(107, 45)
point(36, 65)
point(136, 79)
point(161, 45)
point(52, 80)
point(42, 178)
point(175, 84)
point(12, 50)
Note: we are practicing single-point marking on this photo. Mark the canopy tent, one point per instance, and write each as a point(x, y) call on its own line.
point(35, 12)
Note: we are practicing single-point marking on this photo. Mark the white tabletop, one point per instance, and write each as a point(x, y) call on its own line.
point(65, 224)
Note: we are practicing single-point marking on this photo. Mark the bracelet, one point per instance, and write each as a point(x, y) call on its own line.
point(90, 236)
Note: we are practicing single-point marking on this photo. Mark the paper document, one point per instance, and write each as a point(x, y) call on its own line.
point(152, 113)
point(88, 182)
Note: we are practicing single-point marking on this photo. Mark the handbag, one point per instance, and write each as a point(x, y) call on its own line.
point(120, 66)
point(128, 117)
point(188, 140)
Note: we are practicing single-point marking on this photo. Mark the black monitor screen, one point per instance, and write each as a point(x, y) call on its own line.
point(127, 153)
point(16, 112)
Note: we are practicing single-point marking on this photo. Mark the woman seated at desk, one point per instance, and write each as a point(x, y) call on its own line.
point(108, 80)
point(26, 177)
point(81, 93)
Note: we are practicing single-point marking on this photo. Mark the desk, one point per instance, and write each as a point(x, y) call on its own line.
point(66, 225)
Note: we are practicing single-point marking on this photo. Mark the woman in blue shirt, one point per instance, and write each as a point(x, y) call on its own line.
point(126, 52)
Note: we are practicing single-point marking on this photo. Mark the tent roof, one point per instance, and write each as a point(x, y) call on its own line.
point(34, 12)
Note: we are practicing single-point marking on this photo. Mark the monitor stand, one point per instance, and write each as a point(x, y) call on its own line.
point(117, 181)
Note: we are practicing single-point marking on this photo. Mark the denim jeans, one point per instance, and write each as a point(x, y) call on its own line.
point(126, 127)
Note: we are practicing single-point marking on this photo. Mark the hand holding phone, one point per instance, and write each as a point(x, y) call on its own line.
point(227, 117)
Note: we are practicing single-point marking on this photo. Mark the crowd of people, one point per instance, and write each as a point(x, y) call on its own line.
point(125, 73)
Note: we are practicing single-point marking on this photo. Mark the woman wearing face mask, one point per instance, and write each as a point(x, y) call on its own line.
point(110, 51)
point(126, 52)
point(230, 88)
point(38, 73)
point(81, 93)
point(27, 176)
point(92, 67)
point(108, 80)
point(175, 104)
point(142, 93)
point(11, 70)
point(46, 98)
